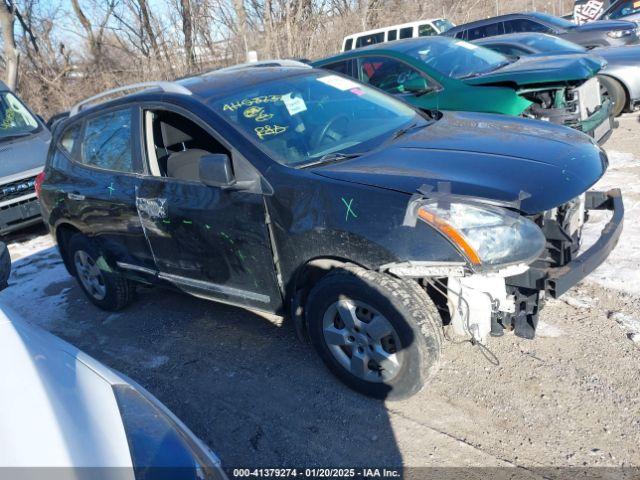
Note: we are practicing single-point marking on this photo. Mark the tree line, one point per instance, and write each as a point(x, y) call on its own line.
point(56, 52)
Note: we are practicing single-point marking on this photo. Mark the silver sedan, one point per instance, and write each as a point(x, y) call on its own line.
point(620, 79)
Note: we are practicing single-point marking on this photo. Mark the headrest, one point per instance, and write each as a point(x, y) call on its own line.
point(173, 136)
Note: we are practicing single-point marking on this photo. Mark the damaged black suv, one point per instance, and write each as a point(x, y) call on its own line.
point(303, 193)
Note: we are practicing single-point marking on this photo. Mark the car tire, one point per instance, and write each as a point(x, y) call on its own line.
point(104, 288)
point(394, 366)
point(616, 93)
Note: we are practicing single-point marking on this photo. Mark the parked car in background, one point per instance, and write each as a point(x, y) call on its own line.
point(65, 411)
point(585, 11)
point(620, 77)
point(449, 74)
point(24, 141)
point(596, 34)
point(421, 28)
point(623, 10)
point(304, 193)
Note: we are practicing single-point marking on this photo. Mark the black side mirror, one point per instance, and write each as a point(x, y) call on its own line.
point(216, 171)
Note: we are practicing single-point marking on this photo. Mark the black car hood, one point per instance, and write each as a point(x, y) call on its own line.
point(24, 153)
point(482, 155)
point(604, 26)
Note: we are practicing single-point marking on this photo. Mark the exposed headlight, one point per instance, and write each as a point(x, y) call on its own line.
point(160, 447)
point(486, 235)
point(621, 33)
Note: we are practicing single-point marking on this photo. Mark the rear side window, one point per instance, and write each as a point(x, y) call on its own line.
point(485, 31)
point(406, 32)
point(340, 67)
point(630, 7)
point(69, 137)
point(426, 30)
point(370, 39)
point(524, 25)
point(107, 142)
point(348, 44)
point(392, 35)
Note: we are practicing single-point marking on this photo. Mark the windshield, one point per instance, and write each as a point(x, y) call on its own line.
point(15, 119)
point(547, 43)
point(443, 25)
point(456, 58)
point(555, 21)
point(300, 119)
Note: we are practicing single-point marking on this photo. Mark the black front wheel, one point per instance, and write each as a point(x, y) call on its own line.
point(380, 335)
point(104, 287)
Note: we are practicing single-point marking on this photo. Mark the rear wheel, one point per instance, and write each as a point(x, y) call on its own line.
point(614, 91)
point(380, 335)
point(105, 288)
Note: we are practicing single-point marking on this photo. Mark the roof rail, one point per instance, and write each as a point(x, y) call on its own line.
point(262, 63)
point(169, 87)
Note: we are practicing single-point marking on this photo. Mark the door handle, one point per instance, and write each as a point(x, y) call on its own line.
point(75, 196)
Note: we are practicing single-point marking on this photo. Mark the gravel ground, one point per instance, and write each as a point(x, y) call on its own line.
point(259, 398)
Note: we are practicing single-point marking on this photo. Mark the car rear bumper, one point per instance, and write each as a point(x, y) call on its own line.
point(21, 213)
point(557, 280)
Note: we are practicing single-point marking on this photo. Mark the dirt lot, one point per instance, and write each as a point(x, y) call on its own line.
point(259, 398)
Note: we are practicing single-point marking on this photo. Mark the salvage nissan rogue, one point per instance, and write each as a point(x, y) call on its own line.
point(303, 193)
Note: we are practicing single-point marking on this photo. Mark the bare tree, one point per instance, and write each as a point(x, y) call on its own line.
point(11, 54)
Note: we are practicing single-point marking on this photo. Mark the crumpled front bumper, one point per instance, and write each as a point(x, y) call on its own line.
point(600, 125)
point(557, 280)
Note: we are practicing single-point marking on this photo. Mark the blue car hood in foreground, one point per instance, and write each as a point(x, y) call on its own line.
point(484, 155)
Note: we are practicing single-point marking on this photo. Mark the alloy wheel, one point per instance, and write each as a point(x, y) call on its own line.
point(362, 340)
point(90, 275)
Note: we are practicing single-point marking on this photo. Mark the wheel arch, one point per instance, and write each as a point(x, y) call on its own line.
point(63, 231)
point(624, 86)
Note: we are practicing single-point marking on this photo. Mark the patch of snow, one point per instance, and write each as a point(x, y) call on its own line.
point(546, 330)
point(39, 283)
point(621, 271)
point(629, 324)
point(577, 302)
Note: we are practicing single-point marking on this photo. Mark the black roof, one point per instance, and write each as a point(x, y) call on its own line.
point(220, 83)
point(491, 20)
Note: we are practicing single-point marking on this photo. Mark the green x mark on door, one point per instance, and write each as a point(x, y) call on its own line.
point(349, 209)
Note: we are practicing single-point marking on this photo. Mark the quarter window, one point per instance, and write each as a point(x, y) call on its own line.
point(340, 67)
point(406, 32)
point(69, 137)
point(107, 142)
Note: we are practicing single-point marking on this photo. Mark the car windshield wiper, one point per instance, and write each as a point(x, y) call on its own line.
point(331, 158)
point(404, 130)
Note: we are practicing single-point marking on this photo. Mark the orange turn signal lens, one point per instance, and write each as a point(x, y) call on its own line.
point(452, 234)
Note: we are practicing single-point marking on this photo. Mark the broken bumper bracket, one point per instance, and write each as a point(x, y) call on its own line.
point(556, 281)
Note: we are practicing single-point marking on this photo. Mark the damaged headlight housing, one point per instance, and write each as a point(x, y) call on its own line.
point(485, 235)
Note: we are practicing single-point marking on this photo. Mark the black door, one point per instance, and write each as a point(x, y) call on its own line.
point(105, 174)
point(208, 241)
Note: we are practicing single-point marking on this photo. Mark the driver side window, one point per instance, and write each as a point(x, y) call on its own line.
point(175, 145)
point(387, 74)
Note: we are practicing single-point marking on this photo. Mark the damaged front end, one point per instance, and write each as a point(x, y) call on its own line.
point(582, 107)
point(512, 260)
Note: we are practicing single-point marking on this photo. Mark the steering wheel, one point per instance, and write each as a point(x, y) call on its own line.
point(325, 130)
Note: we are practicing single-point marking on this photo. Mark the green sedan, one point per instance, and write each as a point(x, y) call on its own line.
point(448, 74)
